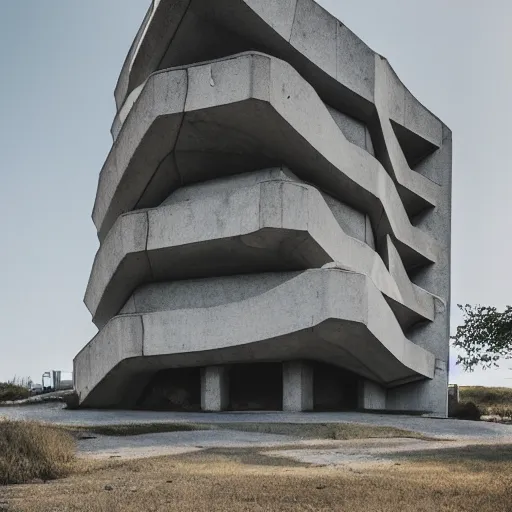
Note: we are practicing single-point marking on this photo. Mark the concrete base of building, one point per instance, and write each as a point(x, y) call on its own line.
point(237, 320)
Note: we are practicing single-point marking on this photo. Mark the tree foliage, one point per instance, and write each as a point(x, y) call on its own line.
point(485, 337)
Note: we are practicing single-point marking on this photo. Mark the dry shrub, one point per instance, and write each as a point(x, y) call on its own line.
point(10, 392)
point(30, 451)
point(501, 411)
point(466, 411)
point(491, 401)
point(486, 396)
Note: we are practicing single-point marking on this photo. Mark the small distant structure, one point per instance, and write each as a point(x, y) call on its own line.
point(36, 389)
point(453, 396)
point(56, 380)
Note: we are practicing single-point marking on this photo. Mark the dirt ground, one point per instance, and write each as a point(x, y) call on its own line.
point(251, 479)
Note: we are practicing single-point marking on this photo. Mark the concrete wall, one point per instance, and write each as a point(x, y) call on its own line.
point(274, 193)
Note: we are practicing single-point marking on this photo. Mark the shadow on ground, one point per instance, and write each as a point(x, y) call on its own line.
point(477, 457)
point(246, 456)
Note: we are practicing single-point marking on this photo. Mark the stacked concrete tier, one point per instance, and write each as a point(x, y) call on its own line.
point(274, 194)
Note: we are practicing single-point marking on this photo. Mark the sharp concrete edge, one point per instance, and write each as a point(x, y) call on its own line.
point(416, 191)
point(309, 36)
point(213, 214)
point(122, 82)
point(424, 192)
point(315, 304)
point(263, 80)
point(328, 107)
point(161, 22)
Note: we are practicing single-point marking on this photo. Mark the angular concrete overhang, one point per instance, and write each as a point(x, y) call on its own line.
point(261, 222)
point(339, 65)
point(241, 114)
point(337, 315)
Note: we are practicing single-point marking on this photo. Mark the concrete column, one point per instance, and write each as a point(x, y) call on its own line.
point(371, 395)
point(297, 386)
point(214, 388)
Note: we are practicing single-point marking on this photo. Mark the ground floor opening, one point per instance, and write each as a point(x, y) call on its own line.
point(256, 387)
point(176, 389)
point(266, 386)
point(334, 389)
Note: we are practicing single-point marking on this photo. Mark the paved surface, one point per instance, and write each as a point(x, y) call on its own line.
point(175, 443)
point(350, 454)
point(444, 428)
point(311, 451)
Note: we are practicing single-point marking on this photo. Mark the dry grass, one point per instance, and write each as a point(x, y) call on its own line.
point(236, 480)
point(491, 401)
point(476, 478)
point(30, 451)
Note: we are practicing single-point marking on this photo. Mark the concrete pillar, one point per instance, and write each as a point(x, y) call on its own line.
point(214, 388)
point(371, 395)
point(297, 386)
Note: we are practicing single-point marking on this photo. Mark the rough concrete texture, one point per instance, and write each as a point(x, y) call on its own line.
point(327, 314)
point(371, 395)
point(297, 386)
point(260, 221)
point(274, 193)
point(214, 388)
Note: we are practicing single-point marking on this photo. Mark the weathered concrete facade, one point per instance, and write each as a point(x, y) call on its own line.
point(274, 197)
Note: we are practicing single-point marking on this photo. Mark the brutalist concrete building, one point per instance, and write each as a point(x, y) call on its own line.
point(274, 221)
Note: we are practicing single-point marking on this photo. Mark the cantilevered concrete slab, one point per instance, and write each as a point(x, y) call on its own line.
point(274, 195)
point(338, 64)
point(340, 311)
point(267, 221)
point(289, 123)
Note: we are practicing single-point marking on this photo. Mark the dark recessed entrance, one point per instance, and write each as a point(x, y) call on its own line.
point(256, 387)
point(334, 389)
point(177, 389)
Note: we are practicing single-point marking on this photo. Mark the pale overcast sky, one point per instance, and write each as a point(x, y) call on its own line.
point(59, 62)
